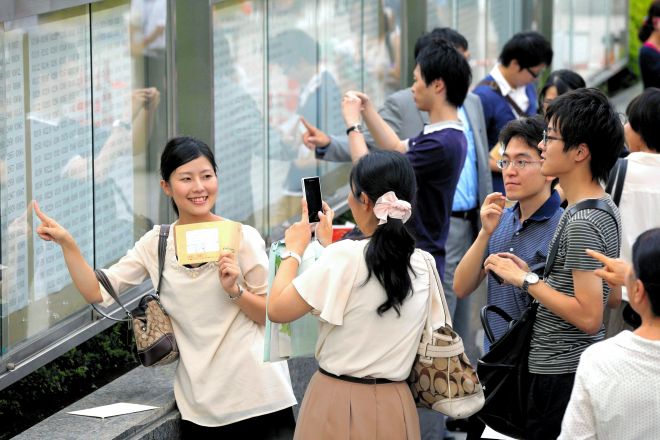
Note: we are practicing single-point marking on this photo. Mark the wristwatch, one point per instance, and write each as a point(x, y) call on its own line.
point(286, 254)
point(240, 293)
point(355, 127)
point(530, 278)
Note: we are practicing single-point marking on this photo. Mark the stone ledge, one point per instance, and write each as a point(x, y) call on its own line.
point(147, 386)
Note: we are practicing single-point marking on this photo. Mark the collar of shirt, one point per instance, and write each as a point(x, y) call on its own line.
point(519, 94)
point(545, 212)
point(431, 128)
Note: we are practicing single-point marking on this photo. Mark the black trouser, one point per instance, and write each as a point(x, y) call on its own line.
point(279, 425)
point(547, 400)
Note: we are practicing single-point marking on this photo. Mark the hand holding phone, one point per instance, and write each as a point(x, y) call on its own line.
point(311, 187)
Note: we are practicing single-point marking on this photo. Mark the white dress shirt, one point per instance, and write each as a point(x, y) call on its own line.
point(518, 95)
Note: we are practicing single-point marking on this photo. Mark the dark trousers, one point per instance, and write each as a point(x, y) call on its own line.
point(547, 400)
point(279, 425)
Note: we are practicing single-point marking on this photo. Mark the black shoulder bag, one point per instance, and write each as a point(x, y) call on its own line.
point(152, 328)
point(503, 369)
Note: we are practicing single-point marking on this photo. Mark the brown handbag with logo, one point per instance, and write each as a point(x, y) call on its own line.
point(442, 377)
point(154, 337)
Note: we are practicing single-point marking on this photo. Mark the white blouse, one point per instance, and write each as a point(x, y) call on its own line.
point(353, 339)
point(616, 394)
point(220, 378)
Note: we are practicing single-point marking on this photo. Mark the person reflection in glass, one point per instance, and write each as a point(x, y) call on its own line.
point(295, 53)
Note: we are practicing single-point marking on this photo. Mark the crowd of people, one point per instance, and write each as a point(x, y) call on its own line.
point(473, 180)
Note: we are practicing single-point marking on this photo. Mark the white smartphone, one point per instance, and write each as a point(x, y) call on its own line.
point(311, 187)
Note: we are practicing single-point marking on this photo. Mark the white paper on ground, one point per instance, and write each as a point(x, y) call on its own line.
point(490, 433)
point(116, 409)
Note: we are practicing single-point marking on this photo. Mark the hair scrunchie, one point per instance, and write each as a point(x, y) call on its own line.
point(388, 205)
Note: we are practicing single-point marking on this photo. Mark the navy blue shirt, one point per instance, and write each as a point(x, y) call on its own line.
point(528, 240)
point(437, 155)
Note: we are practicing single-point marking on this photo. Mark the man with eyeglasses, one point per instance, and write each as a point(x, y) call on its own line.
point(524, 229)
point(508, 92)
point(583, 139)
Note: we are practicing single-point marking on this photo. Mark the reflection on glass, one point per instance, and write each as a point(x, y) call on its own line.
point(75, 136)
point(308, 90)
point(238, 84)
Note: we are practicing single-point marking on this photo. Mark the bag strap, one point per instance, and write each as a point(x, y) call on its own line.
point(494, 86)
point(616, 180)
point(105, 282)
point(162, 249)
point(435, 285)
point(584, 204)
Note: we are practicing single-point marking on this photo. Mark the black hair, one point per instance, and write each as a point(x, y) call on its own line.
point(563, 80)
point(440, 60)
point(646, 262)
point(644, 117)
point(528, 129)
point(647, 27)
point(388, 253)
point(444, 33)
point(179, 151)
point(528, 48)
point(586, 116)
point(291, 47)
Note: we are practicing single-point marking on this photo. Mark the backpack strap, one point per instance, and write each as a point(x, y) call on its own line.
point(162, 248)
point(584, 204)
point(616, 180)
point(493, 85)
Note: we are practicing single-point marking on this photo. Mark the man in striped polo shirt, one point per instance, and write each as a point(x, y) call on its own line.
point(582, 141)
point(524, 229)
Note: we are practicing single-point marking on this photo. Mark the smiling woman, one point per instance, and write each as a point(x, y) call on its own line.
point(217, 309)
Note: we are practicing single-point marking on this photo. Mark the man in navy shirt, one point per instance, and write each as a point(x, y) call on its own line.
point(508, 91)
point(442, 77)
point(524, 229)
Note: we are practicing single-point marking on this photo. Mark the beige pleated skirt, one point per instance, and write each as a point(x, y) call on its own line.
point(334, 409)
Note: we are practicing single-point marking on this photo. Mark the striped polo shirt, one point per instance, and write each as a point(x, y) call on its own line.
point(528, 240)
point(556, 344)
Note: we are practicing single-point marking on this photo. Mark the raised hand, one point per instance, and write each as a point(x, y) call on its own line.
point(491, 212)
point(324, 227)
point(614, 270)
point(229, 271)
point(299, 234)
point(313, 137)
point(351, 108)
point(50, 230)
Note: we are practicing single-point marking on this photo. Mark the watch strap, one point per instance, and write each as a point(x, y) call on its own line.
point(355, 127)
point(286, 254)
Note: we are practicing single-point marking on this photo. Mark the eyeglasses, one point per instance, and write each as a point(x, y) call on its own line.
point(534, 74)
point(520, 164)
point(547, 138)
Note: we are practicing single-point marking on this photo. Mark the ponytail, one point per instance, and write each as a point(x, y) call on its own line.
point(388, 253)
point(391, 245)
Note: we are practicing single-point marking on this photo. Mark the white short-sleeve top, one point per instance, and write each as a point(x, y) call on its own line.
point(354, 339)
point(220, 378)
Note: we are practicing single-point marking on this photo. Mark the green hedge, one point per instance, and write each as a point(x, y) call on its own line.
point(67, 379)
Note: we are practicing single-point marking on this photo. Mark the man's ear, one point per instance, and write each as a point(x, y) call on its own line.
point(582, 152)
point(438, 85)
point(166, 188)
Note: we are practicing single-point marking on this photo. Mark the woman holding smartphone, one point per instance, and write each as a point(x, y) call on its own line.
point(372, 296)
point(217, 309)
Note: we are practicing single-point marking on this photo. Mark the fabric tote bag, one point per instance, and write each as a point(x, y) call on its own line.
point(298, 338)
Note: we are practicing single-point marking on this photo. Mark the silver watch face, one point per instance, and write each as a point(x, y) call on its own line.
point(531, 278)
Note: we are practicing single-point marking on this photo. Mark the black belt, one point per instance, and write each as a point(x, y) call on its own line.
point(363, 380)
point(470, 214)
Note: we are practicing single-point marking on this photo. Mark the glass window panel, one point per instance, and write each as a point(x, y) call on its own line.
point(382, 50)
point(440, 14)
point(238, 64)
point(47, 62)
point(473, 27)
point(298, 86)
